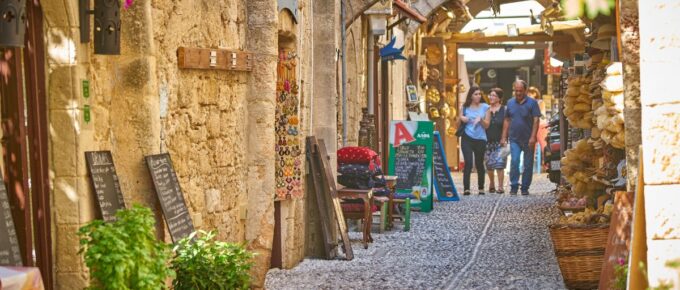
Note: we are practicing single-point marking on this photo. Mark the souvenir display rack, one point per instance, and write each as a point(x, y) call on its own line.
point(288, 145)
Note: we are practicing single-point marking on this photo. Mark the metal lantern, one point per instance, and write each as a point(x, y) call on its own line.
point(12, 23)
point(106, 25)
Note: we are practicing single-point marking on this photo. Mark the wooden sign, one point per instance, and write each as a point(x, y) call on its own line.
point(105, 183)
point(217, 59)
point(170, 195)
point(324, 186)
point(618, 241)
point(443, 183)
point(10, 254)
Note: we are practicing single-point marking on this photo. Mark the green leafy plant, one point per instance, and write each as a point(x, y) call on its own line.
point(125, 254)
point(202, 263)
point(621, 274)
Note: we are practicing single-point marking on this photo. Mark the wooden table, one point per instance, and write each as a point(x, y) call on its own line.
point(366, 195)
point(20, 278)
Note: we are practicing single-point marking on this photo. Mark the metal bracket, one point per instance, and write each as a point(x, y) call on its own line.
point(84, 13)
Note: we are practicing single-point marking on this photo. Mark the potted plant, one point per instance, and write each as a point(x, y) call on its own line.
point(203, 263)
point(125, 254)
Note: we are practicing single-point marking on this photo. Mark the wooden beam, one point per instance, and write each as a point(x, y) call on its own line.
point(541, 45)
point(523, 38)
point(522, 31)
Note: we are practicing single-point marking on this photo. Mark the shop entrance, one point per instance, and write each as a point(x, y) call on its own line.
point(24, 144)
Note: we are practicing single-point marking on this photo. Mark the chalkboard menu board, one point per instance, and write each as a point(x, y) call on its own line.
point(10, 254)
point(443, 183)
point(410, 159)
point(105, 183)
point(409, 165)
point(170, 195)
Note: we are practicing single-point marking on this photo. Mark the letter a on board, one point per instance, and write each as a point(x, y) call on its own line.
point(402, 135)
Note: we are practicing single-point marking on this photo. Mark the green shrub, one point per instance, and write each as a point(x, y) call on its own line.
point(125, 254)
point(202, 263)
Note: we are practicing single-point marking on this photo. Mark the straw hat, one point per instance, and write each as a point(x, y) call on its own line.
point(604, 35)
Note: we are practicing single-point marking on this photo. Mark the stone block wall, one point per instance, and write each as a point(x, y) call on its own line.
point(124, 114)
point(217, 125)
point(204, 129)
point(660, 107)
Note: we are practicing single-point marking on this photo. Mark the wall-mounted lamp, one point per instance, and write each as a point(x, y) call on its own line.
point(12, 23)
point(106, 25)
point(512, 30)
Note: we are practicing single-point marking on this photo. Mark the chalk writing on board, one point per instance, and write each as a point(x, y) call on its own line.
point(446, 190)
point(170, 195)
point(409, 165)
point(10, 254)
point(105, 183)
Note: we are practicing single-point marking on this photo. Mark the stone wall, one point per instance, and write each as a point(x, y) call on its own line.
point(204, 129)
point(123, 120)
point(659, 49)
point(217, 125)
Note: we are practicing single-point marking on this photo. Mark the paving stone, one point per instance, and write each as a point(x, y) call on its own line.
point(443, 249)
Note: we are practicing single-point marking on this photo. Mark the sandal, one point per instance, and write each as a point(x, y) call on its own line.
point(492, 189)
point(500, 191)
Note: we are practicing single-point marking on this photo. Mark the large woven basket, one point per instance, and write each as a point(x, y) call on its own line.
point(580, 253)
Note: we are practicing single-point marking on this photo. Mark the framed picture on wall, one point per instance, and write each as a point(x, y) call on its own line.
point(412, 94)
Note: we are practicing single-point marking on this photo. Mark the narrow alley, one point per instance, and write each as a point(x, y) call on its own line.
point(481, 242)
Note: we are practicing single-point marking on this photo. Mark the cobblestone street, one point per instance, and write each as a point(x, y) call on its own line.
point(481, 242)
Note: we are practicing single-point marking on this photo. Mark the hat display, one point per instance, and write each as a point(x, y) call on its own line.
point(604, 35)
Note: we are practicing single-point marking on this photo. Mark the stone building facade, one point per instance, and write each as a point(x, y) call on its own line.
point(218, 126)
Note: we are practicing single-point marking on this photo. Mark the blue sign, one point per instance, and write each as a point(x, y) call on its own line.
point(443, 183)
point(389, 52)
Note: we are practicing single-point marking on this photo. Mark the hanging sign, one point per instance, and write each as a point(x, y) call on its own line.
point(9, 244)
point(389, 52)
point(547, 67)
point(443, 183)
point(410, 159)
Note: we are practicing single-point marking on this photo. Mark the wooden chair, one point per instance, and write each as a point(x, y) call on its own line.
point(401, 205)
point(364, 210)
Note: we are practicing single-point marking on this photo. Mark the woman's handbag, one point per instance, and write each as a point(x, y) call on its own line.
point(461, 126)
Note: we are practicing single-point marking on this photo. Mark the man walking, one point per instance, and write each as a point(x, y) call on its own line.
point(521, 125)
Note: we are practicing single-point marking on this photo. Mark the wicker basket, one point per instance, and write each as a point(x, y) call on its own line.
point(580, 252)
point(565, 209)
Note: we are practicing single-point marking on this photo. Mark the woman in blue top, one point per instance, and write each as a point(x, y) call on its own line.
point(473, 141)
